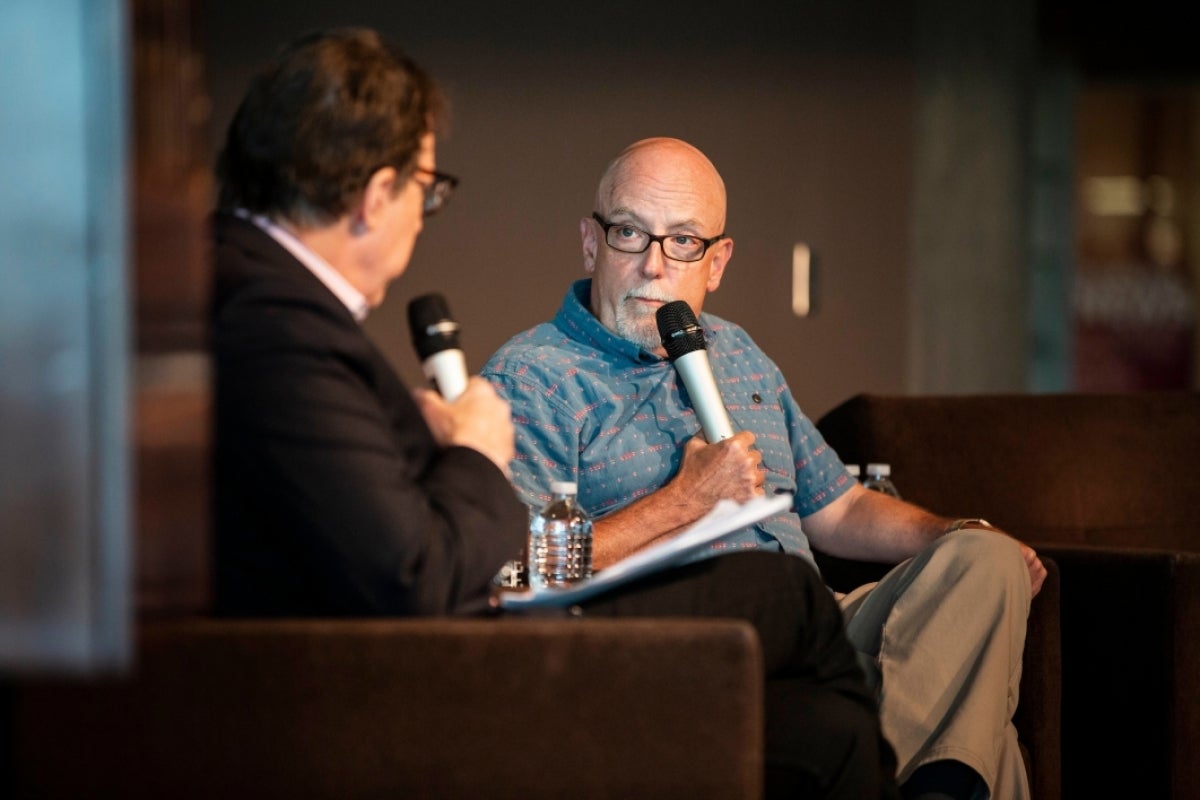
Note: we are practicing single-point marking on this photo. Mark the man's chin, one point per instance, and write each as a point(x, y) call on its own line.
point(641, 335)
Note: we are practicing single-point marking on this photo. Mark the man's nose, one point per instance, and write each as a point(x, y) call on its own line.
point(654, 263)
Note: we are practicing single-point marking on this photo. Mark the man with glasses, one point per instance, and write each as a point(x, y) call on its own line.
point(596, 401)
point(338, 492)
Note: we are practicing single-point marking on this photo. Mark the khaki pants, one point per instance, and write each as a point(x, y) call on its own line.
point(941, 639)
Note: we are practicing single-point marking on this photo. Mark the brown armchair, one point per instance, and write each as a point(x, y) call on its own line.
point(1101, 485)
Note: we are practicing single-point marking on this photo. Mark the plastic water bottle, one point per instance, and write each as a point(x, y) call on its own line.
point(560, 540)
point(854, 471)
point(879, 479)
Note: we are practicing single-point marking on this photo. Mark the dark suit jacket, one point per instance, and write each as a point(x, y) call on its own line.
point(331, 496)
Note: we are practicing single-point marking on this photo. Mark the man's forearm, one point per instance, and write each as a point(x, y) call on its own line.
point(731, 469)
point(657, 515)
point(873, 527)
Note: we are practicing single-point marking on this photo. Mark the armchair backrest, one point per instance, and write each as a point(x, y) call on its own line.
point(1068, 468)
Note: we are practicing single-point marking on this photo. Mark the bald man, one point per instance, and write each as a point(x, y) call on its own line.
point(339, 494)
point(596, 401)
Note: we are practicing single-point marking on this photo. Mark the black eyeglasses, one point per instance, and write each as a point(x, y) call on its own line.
point(437, 191)
point(675, 246)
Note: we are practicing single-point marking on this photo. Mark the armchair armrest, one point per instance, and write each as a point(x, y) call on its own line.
point(451, 708)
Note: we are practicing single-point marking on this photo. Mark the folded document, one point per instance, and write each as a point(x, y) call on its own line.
point(726, 517)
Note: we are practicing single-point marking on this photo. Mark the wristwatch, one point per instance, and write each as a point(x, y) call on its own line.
point(959, 524)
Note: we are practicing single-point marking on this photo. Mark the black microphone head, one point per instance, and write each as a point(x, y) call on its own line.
point(433, 330)
point(680, 332)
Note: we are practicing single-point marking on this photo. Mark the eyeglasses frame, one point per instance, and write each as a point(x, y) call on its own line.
point(437, 192)
point(606, 226)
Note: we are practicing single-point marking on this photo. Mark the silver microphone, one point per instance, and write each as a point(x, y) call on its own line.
point(684, 342)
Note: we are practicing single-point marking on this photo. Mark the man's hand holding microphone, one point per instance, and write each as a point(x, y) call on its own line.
point(461, 411)
point(726, 466)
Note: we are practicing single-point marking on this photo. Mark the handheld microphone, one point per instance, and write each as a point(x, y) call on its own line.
point(435, 336)
point(684, 343)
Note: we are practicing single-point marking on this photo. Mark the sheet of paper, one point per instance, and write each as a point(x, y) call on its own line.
point(726, 517)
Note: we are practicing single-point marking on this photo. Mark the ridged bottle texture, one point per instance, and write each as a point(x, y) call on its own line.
point(560, 540)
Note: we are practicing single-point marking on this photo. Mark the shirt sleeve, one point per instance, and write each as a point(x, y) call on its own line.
point(821, 477)
point(547, 434)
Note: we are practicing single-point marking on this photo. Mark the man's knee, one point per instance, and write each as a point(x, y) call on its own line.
point(984, 557)
point(774, 566)
point(773, 578)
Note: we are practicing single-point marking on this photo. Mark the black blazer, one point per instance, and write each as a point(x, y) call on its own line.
point(331, 496)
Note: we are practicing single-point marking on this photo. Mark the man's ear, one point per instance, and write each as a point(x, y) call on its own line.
point(723, 251)
point(379, 192)
point(587, 232)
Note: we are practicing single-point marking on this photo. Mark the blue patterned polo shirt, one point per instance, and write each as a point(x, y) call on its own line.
point(592, 407)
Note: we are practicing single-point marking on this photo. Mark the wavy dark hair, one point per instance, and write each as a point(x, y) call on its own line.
point(320, 120)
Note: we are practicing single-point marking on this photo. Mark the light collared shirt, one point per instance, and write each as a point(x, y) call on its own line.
point(334, 281)
point(592, 407)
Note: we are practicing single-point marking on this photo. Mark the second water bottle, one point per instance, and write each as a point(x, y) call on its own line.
point(879, 478)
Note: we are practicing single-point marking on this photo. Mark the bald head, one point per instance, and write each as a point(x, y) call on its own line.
point(663, 194)
point(670, 163)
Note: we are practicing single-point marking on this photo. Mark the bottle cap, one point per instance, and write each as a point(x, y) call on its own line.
point(853, 469)
point(563, 487)
point(879, 469)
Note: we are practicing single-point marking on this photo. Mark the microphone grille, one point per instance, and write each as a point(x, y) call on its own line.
point(426, 310)
point(680, 332)
point(431, 326)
